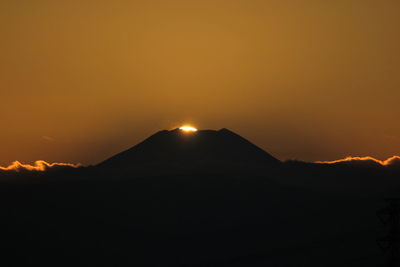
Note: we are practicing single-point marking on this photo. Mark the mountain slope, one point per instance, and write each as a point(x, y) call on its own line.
point(205, 151)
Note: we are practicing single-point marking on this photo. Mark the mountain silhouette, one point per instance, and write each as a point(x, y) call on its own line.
point(203, 151)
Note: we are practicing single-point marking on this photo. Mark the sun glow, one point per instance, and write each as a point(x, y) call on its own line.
point(188, 129)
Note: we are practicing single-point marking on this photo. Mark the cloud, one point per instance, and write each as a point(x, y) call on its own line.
point(389, 161)
point(39, 165)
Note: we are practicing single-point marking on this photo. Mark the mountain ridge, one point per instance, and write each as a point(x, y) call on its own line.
point(175, 151)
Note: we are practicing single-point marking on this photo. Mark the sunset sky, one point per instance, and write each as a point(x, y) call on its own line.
point(308, 80)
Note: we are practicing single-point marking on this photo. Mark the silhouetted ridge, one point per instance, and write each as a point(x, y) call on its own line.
point(204, 151)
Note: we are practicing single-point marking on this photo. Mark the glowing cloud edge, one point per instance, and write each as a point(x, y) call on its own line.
point(387, 162)
point(39, 165)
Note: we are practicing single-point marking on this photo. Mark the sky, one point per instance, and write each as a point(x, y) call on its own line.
point(307, 80)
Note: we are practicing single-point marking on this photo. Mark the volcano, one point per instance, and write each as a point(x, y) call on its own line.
point(203, 151)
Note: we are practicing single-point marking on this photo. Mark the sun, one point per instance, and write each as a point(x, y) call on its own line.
point(187, 129)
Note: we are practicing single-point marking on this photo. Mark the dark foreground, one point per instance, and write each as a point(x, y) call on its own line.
point(298, 216)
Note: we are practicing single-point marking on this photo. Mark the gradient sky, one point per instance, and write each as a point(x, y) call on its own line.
point(309, 80)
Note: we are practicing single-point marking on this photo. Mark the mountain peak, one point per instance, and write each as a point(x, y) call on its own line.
point(180, 151)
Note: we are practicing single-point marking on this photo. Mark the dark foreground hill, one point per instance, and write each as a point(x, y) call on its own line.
point(206, 220)
point(297, 214)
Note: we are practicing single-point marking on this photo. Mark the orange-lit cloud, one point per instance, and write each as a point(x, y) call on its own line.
point(386, 162)
point(39, 165)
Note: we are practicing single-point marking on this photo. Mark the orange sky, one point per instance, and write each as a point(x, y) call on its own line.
point(308, 80)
